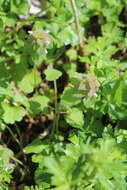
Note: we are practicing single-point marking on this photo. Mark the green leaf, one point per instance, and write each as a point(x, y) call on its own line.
point(59, 171)
point(52, 74)
point(2, 125)
point(9, 20)
point(72, 54)
point(75, 118)
point(29, 81)
point(35, 147)
point(68, 35)
point(70, 97)
point(20, 98)
point(42, 174)
point(53, 165)
point(118, 92)
point(20, 7)
point(1, 25)
point(112, 32)
point(5, 154)
point(38, 104)
point(12, 113)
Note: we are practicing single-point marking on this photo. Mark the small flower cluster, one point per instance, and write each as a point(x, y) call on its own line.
point(42, 38)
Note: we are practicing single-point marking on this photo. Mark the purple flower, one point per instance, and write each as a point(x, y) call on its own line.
point(30, 32)
point(47, 42)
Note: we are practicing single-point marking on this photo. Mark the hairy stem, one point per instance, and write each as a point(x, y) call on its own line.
point(78, 28)
point(77, 23)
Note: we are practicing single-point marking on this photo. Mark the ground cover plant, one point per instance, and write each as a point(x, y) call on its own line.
point(63, 95)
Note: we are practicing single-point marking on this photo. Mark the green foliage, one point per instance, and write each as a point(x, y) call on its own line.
point(33, 188)
point(29, 81)
point(63, 79)
point(77, 121)
point(84, 165)
point(6, 168)
point(38, 104)
point(12, 114)
point(52, 74)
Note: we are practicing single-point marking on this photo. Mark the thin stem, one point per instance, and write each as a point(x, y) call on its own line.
point(35, 78)
point(55, 89)
point(77, 23)
point(20, 142)
point(12, 134)
point(21, 149)
point(20, 138)
point(78, 27)
point(56, 107)
point(56, 113)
